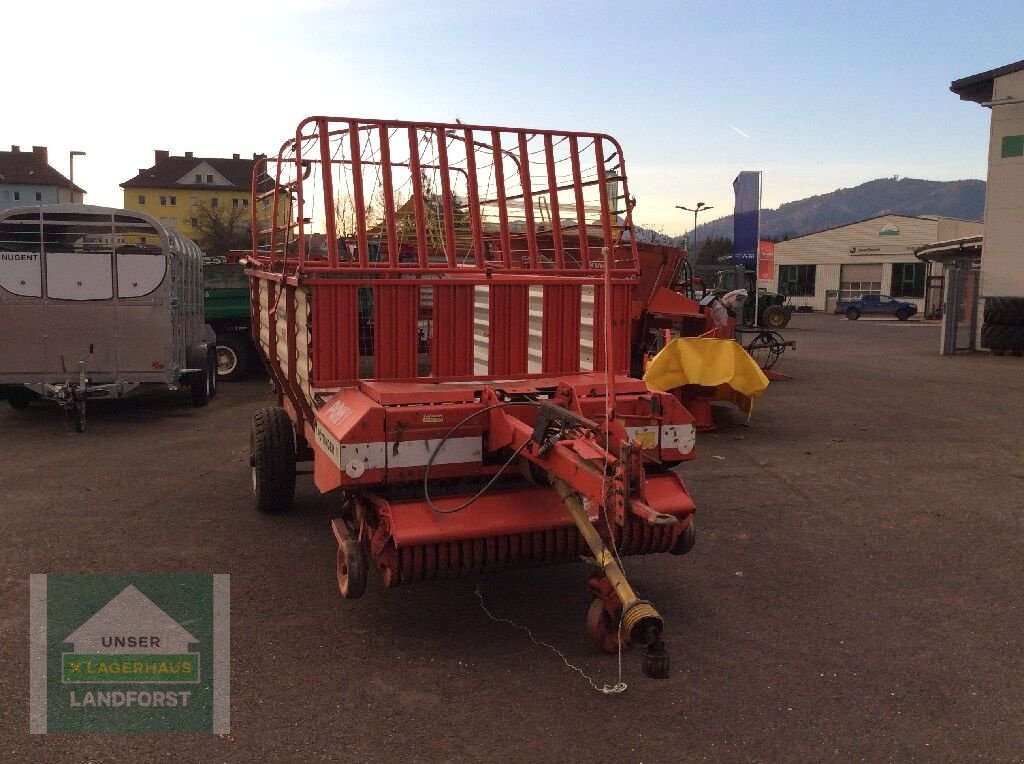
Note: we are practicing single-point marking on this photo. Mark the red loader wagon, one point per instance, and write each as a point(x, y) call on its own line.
point(445, 313)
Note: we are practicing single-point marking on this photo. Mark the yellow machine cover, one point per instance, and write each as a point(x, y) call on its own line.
point(715, 363)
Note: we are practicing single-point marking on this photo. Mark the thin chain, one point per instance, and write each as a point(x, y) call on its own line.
point(614, 689)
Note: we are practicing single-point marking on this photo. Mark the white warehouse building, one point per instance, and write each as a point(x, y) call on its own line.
point(873, 256)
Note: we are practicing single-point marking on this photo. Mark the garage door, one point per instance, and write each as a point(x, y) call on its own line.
point(860, 279)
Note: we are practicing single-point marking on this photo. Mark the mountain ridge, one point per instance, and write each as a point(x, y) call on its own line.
point(964, 199)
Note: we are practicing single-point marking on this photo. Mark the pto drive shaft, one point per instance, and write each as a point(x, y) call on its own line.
point(640, 620)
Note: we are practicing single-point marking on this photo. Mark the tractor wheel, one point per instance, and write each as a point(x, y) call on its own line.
point(351, 569)
point(603, 630)
point(852, 313)
point(232, 357)
point(1006, 311)
point(1003, 338)
point(20, 397)
point(272, 456)
point(903, 314)
point(775, 317)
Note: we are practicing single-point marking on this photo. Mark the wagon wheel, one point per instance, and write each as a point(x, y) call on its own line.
point(603, 629)
point(351, 569)
point(765, 348)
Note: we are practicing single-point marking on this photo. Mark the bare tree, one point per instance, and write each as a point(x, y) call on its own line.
point(222, 229)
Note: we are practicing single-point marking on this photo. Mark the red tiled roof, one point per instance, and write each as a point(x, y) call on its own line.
point(169, 170)
point(27, 168)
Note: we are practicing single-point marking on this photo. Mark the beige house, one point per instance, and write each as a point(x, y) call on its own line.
point(1002, 260)
point(874, 256)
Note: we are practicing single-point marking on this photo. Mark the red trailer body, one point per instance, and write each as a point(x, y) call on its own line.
point(455, 361)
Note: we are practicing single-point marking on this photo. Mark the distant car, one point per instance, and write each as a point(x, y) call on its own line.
point(876, 304)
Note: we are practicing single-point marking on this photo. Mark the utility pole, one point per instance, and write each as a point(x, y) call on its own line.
point(701, 207)
point(71, 162)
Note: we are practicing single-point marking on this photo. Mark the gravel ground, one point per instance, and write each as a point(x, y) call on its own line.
point(855, 591)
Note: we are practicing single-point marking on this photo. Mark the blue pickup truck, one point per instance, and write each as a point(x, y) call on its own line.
point(877, 305)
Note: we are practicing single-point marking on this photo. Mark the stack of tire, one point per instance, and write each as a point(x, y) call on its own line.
point(1003, 330)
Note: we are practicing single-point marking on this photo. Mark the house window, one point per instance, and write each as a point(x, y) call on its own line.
point(163, 201)
point(174, 201)
point(193, 201)
point(908, 280)
point(142, 240)
point(797, 280)
point(199, 178)
point(214, 203)
point(142, 199)
point(245, 202)
point(195, 222)
point(209, 179)
point(39, 196)
point(234, 203)
point(17, 195)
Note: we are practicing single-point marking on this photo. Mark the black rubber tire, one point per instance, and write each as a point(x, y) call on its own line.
point(211, 367)
point(352, 569)
point(1004, 311)
point(199, 384)
point(272, 458)
point(903, 314)
point(230, 346)
point(1002, 338)
point(686, 540)
point(775, 317)
point(852, 313)
point(20, 397)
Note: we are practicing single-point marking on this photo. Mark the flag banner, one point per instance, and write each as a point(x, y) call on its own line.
point(766, 262)
point(746, 217)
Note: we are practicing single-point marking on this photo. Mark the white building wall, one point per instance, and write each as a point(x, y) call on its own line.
point(1002, 260)
point(881, 241)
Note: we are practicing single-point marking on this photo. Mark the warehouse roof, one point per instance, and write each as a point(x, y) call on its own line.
point(978, 87)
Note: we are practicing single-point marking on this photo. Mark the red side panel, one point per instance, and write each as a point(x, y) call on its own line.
point(621, 319)
point(396, 309)
point(335, 334)
point(452, 345)
point(561, 329)
point(509, 329)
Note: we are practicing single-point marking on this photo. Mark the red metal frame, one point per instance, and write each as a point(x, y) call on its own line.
point(509, 252)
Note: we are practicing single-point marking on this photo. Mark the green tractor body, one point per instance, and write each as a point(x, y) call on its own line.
point(773, 309)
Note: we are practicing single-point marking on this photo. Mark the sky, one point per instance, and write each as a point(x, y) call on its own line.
point(817, 95)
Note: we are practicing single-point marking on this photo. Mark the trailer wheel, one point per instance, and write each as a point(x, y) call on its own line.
point(211, 369)
point(200, 385)
point(686, 540)
point(604, 630)
point(272, 456)
point(351, 569)
point(852, 313)
point(20, 397)
point(232, 357)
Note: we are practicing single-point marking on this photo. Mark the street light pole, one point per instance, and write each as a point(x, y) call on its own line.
point(71, 162)
point(701, 207)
